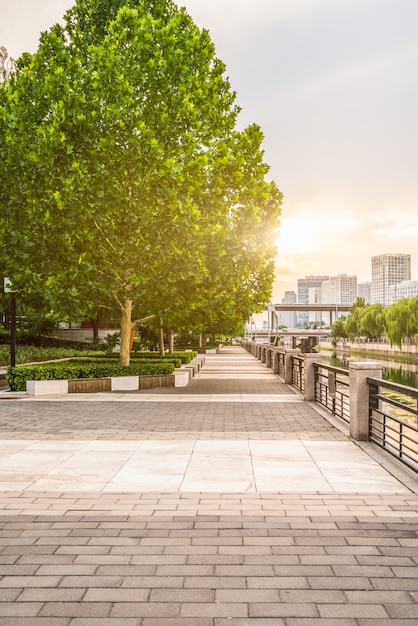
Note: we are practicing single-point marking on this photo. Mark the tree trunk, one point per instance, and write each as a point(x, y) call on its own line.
point(161, 336)
point(126, 326)
point(202, 340)
point(95, 326)
point(171, 346)
point(132, 337)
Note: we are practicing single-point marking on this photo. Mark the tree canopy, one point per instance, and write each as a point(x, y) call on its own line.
point(397, 322)
point(125, 176)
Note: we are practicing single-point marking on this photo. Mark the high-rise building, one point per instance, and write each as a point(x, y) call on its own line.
point(315, 297)
point(388, 270)
point(405, 289)
point(288, 318)
point(364, 290)
point(304, 284)
point(341, 289)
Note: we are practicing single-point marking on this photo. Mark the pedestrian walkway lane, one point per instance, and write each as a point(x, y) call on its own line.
point(230, 501)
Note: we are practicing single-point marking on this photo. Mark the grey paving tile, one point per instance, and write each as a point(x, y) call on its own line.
point(84, 610)
point(37, 621)
point(145, 609)
point(279, 609)
point(259, 621)
point(75, 557)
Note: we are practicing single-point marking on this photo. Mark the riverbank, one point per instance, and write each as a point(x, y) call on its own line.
point(396, 368)
point(382, 351)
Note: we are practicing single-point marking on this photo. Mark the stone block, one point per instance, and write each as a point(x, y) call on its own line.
point(181, 377)
point(46, 387)
point(125, 383)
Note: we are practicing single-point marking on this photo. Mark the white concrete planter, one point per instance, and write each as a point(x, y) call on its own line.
point(125, 383)
point(181, 378)
point(46, 387)
point(195, 365)
point(189, 368)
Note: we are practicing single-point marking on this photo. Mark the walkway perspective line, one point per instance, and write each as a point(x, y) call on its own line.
point(230, 501)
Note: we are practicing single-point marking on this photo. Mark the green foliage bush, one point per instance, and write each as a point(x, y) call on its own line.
point(181, 357)
point(48, 348)
point(17, 376)
point(30, 354)
point(185, 357)
point(177, 361)
point(27, 339)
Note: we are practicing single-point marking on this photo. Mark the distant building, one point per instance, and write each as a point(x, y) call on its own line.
point(288, 318)
point(364, 290)
point(405, 289)
point(304, 284)
point(315, 297)
point(341, 289)
point(388, 270)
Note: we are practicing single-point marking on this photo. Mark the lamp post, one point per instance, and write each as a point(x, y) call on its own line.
point(7, 286)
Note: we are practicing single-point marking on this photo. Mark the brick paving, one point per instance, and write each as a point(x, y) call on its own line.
point(172, 558)
point(126, 420)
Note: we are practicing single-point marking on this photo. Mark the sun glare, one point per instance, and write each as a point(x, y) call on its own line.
point(298, 234)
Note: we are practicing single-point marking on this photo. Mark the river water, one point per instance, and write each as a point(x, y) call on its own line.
point(401, 373)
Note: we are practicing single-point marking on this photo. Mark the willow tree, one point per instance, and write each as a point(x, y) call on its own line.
point(121, 159)
point(402, 321)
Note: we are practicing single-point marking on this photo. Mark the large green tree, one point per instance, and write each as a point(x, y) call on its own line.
point(124, 171)
point(402, 321)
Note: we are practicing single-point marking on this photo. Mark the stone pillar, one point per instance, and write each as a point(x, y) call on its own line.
point(269, 359)
point(309, 375)
point(288, 365)
point(275, 363)
point(359, 397)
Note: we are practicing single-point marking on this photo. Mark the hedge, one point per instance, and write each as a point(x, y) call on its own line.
point(18, 376)
point(185, 357)
point(177, 362)
point(25, 339)
point(180, 357)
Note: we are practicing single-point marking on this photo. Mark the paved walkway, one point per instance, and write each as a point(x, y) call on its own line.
point(229, 502)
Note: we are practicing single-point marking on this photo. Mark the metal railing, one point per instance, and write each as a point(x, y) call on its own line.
point(393, 419)
point(390, 419)
point(298, 366)
point(332, 390)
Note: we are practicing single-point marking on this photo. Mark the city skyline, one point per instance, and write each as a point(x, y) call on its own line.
point(334, 88)
point(407, 276)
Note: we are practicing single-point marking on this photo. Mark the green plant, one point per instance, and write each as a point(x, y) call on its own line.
point(110, 342)
point(18, 376)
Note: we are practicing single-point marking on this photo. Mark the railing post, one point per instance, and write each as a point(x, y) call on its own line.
point(275, 363)
point(288, 365)
point(309, 375)
point(359, 397)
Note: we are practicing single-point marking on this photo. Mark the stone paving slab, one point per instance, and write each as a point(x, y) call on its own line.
point(191, 465)
point(281, 506)
point(216, 567)
point(299, 555)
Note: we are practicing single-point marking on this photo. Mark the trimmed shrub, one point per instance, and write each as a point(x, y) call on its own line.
point(185, 357)
point(17, 376)
point(109, 358)
point(25, 339)
point(181, 357)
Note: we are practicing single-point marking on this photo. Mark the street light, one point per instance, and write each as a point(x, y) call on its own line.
point(7, 287)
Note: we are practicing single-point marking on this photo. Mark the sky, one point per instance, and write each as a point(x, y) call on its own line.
point(333, 84)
